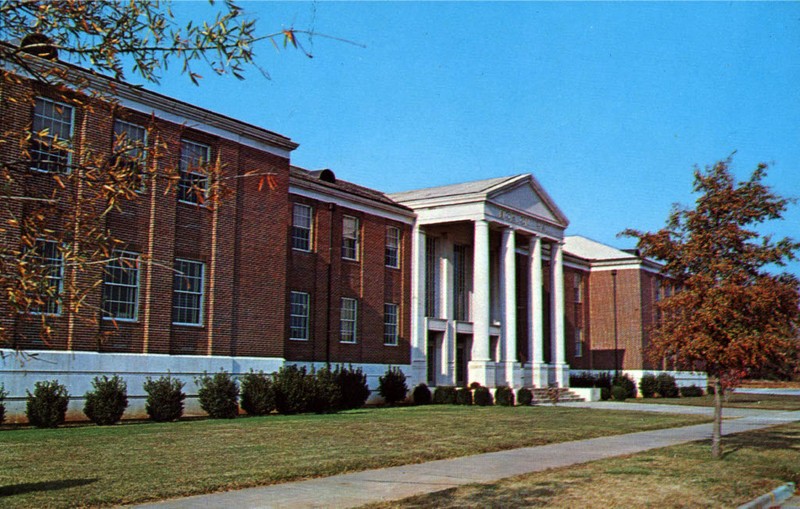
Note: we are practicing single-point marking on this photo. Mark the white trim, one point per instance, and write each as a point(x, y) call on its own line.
point(310, 228)
point(351, 202)
point(306, 317)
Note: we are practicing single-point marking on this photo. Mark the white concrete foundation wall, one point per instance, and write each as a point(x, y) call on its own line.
point(682, 378)
point(19, 372)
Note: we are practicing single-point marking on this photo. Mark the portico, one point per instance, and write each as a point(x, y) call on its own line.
point(485, 257)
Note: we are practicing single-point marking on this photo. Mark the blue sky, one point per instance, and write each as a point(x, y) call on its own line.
point(609, 105)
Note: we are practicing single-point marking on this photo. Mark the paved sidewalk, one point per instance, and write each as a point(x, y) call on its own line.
point(353, 490)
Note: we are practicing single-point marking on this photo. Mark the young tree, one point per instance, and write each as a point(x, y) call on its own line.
point(54, 197)
point(730, 314)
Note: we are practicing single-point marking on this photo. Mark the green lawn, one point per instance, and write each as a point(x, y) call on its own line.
point(673, 477)
point(91, 465)
point(734, 400)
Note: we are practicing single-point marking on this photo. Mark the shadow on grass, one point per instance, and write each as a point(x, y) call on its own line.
point(31, 487)
point(490, 495)
point(782, 439)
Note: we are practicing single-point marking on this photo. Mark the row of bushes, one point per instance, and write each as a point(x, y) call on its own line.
point(662, 385)
point(619, 387)
point(475, 394)
point(290, 390)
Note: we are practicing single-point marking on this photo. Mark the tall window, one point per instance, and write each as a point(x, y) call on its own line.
point(50, 151)
point(48, 257)
point(431, 277)
point(348, 320)
point(350, 240)
point(578, 342)
point(193, 183)
point(461, 271)
point(121, 287)
point(298, 319)
point(301, 227)
point(130, 142)
point(393, 247)
point(187, 292)
point(577, 288)
point(390, 331)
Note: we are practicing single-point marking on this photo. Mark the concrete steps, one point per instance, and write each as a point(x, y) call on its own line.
point(541, 395)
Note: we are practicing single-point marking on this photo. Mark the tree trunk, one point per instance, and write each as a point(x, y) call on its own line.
point(716, 434)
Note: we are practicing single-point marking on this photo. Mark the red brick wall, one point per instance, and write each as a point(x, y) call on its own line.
point(629, 312)
point(242, 243)
point(367, 280)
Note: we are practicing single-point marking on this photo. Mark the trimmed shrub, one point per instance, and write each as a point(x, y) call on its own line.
point(326, 396)
point(421, 395)
point(626, 383)
point(47, 406)
point(445, 395)
point(619, 393)
point(293, 388)
point(3, 395)
point(524, 397)
point(603, 381)
point(666, 386)
point(463, 396)
point(353, 386)
point(648, 385)
point(218, 395)
point(483, 397)
point(107, 402)
point(258, 396)
point(474, 385)
point(692, 391)
point(710, 390)
point(164, 398)
point(504, 396)
point(392, 386)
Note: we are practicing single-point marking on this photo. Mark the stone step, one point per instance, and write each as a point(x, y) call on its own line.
point(542, 395)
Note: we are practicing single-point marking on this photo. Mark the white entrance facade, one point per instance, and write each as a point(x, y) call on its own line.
point(485, 257)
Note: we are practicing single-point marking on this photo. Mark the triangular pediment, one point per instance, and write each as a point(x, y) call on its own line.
point(529, 198)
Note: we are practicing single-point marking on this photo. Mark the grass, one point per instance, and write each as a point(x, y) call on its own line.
point(734, 400)
point(682, 476)
point(128, 463)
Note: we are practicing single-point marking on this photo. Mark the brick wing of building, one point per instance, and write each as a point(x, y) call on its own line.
point(472, 282)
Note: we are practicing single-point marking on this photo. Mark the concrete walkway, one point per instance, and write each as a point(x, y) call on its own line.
point(353, 490)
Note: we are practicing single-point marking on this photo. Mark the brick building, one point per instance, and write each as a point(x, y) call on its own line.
point(469, 282)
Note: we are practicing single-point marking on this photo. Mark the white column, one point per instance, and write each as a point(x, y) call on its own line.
point(419, 336)
point(559, 346)
point(512, 373)
point(538, 366)
point(481, 369)
point(447, 307)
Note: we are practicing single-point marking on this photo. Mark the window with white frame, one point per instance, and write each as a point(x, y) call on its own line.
point(462, 270)
point(390, 324)
point(48, 257)
point(431, 277)
point(348, 320)
point(187, 292)
point(121, 287)
point(577, 288)
point(350, 238)
point(130, 143)
point(393, 247)
point(193, 182)
point(578, 342)
point(302, 219)
point(298, 316)
point(51, 140)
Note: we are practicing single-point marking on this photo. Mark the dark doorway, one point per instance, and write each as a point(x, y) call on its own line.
point(463, 356)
